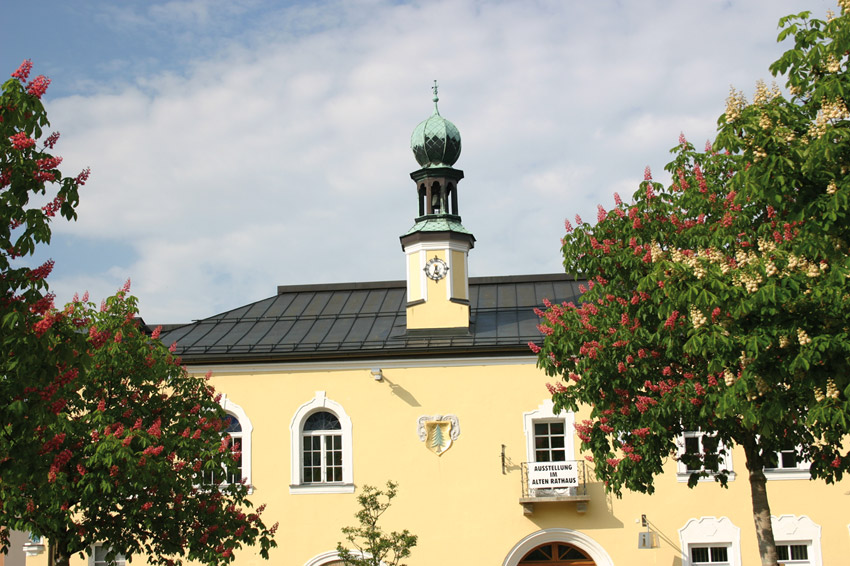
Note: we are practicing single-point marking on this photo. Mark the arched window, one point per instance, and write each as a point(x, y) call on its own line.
point(320, 435)
point(239, 428)
point(321, 443)
point(557, 554)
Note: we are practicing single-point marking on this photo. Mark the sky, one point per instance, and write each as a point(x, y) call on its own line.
point(238, 145)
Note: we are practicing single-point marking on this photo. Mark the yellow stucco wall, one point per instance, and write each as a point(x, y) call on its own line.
point(459, 276)
point(464, 509)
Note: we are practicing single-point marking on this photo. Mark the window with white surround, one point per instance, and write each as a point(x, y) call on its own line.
point(239, 427)
point(710, 541)
point(100, 557)
point(697, 443)
point(717, 555)
point(797, 540)
point(321, 452)
point(549, 437)
point(787, 465)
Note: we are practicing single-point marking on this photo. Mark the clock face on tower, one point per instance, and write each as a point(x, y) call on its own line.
point(436, 268)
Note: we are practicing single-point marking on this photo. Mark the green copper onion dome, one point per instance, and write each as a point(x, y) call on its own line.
point(436, 141)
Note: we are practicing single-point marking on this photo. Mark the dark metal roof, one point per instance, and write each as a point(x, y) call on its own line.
point(368, 320)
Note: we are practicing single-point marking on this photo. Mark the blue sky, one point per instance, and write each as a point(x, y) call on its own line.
point(243, 144)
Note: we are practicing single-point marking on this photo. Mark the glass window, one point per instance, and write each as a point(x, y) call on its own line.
point(793, 553)
point(234, 428)
point(322, 449)
point(694, 446)
point(100, 557)
point(549, 442)
point(716, 555)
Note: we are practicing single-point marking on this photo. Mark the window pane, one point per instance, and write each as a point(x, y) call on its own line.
point(557, 442)
point(789, 458)
point(556, 428)
point(699, 554)
point(799, 552)
point(232, 424)
point(782, 551)
point(541, 428)
point(322, 420)
point(718, 554)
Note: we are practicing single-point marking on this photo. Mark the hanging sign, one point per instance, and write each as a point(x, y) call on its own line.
point(551, 475)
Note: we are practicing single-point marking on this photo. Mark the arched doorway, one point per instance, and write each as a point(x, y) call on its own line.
point(557, 547)
point(556, 554)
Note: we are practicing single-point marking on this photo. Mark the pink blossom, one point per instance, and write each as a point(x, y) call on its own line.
point(50, 209)
point(567, 226)
point(83, 176)
point(534, 347)
point(51, 140)
point(578, 220)
point(48, 163)
point(671, 320)
point(173, 347)
point(682, 140)
point(38, 86)
point(21, 141)
point(708, 148)
point(647, 174)
point(600, 213)
point(23, 71)
point(41, 272)
point(617, 200)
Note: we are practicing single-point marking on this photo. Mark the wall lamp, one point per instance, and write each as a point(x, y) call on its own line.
point(378, 374)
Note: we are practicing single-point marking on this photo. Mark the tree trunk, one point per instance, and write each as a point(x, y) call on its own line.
point(57, 554)
point(761, 507)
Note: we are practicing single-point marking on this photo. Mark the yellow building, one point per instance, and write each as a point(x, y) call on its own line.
point(344, 385)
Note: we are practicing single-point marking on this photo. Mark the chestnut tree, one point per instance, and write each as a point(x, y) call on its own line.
point(104, 436)
point(719, 303)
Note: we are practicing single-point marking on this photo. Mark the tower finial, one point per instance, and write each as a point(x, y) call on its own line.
point(436, 98)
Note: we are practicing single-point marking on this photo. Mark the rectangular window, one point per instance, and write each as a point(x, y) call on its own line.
point(695, 447)
point(699, 451)
point(796, 554)
point(783, 460)
point(715, 555)
point(322, 458)
point(549, 441)
point(100, 559)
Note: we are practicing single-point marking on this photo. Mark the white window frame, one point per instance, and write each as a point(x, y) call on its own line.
point(798, 472)
point(709, 547)
point(711, 531)
point(243, 437)
point(791, 529)
point(95, 547)
point(333, 556)
point(682, 472)
point(296, 426)
point(545, 413)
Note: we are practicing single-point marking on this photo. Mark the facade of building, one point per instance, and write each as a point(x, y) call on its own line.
point(428, 381)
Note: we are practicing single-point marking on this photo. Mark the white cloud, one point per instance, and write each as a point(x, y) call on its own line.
point(282, 156)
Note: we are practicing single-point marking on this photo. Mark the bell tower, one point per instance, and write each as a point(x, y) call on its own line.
point(437, 246)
